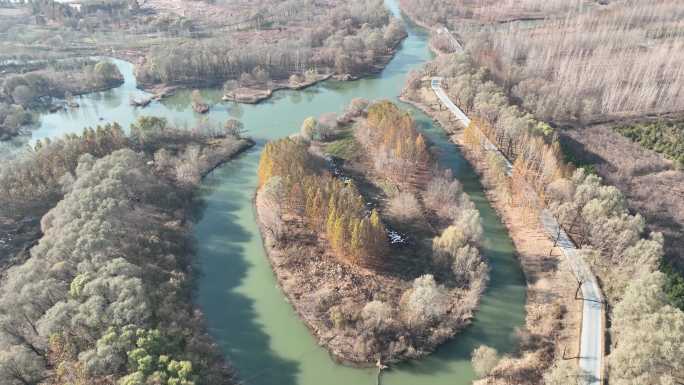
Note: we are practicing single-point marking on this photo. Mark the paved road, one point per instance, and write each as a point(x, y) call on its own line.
point(591, 344)
point(455, 45)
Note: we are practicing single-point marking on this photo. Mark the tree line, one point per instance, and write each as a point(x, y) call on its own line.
point(27, 90)
point(34, 177)
point(398, 150)
point(348, 39)
point(595, 215)
point(105, 11)
point(518, 135)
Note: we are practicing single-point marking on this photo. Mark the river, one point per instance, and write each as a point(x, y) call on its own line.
point(246, 312)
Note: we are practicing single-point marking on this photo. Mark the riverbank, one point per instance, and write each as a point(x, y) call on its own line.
point(223, 151)
point(245, 311)
point(553, 316)
point(552, 323)
point(414, 19)
point(258, 93)
point(422, 24)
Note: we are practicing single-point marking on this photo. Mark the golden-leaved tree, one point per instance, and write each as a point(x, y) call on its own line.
point(398, 150)
point(323, 201)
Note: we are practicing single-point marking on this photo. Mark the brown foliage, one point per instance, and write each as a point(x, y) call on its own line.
point(624, 59)
point(398, 150)
point(324, 201)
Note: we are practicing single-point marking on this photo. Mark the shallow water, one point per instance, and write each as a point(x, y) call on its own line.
point(246, 312)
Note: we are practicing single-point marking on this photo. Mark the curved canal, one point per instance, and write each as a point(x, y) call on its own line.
point(245, 310)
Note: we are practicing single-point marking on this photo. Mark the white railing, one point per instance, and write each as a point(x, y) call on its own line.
point(591, 343)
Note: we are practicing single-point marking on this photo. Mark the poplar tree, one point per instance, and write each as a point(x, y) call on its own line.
point(648, 334)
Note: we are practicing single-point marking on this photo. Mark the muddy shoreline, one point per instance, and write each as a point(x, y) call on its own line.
point(245, 145)
point(249, 95)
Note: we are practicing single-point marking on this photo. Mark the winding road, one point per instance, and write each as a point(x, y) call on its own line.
point(591, 343)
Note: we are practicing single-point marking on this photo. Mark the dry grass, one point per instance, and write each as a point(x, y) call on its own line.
point(485, 11)
point(623, 59)
point(576, 60)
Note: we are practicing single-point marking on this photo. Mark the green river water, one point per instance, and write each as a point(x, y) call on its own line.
point(246, 312)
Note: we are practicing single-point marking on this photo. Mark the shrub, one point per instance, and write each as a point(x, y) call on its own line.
point(425, 303)
point(484, 359)
point(404, 207)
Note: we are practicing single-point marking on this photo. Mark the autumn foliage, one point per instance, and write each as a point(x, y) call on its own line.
point(398, 150)
point(286, 158)
point(324, 202)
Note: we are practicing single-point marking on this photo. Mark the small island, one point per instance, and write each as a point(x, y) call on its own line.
point(198, 103)
point(376, 247)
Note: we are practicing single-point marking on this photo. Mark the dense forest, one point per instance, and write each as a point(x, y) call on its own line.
point(570, 61)
point(392, 299)
point(397, 149)
point(327, 203)
point(348, 39)
point(105, 294)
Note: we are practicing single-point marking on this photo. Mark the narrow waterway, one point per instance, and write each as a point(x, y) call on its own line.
point(246, 312)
